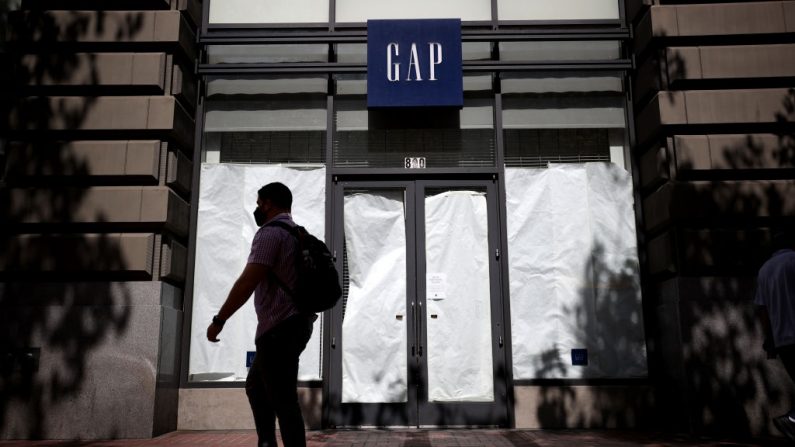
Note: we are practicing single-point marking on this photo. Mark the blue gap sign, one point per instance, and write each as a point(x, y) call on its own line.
point(414, 63)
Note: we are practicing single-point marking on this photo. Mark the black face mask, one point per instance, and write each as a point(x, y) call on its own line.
point(259, 216)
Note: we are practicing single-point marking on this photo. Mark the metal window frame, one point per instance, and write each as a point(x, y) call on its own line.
point(208, 28)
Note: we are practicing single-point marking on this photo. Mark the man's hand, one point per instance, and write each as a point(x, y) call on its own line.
point(252, 275)
point(212, 332)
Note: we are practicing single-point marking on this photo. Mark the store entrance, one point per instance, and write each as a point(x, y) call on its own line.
point(419, 338)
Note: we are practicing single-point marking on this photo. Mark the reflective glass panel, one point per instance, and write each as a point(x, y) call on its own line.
point(563, 10)
point(362, 10)
point(268, 11)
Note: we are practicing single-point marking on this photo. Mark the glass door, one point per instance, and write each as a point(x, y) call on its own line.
point(418, 338)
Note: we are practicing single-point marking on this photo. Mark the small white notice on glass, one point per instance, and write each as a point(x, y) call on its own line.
point(436, 286)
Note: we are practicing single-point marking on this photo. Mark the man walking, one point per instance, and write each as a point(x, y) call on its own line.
point(775, 296)
point(282, 331)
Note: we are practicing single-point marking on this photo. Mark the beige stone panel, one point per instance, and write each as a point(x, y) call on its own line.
point(80, 113)
point(107, 112)
point(106, 69)
point(692, 152)
point(85, 158)
point(789, 16)
point(149, 69)
point(167, 26)
point(155, 204)
point(179, 172)
point(228, 408)
point(78, 158)
point(585, 406)
point(100, 204)
point(109, 204)
point(143, 158)
point(683, 63)
point(648, 80)
point(751, 151)
point(735, 106)
point(173, 261)
point(719, 200)
point(654, 166)
point(183, 86)
point(161, 112)
point(76, 69)
point(672, 108)
point(136, 251)
point(110, 69)
point(664, 21)
point(95, 157)
point(748, 61)
point(750, 198)
point(730, 19)
point(667, 108)
point(98, 26)
point(163, 205)
point(115, 252)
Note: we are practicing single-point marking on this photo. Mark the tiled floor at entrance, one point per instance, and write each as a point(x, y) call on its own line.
point(420, 438)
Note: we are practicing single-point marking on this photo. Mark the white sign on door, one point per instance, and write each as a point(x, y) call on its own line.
point(436, 286)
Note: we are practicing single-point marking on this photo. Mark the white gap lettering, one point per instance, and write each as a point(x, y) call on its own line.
point(435, 50)
point(392, 75)
point(414, 60)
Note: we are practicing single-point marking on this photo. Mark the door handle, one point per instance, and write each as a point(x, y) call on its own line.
point(414, 322)
point(419, 331)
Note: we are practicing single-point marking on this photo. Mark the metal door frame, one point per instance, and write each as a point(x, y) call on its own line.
point(467, 413)
point(417, 411)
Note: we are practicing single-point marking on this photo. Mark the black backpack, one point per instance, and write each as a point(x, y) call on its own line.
point(318, 286)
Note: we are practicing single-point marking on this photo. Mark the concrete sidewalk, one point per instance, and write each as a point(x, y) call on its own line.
point(422, 438)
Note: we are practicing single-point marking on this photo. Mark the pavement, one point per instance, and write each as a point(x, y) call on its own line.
point(424, 438)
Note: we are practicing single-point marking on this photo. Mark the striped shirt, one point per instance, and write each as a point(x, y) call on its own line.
point(275, 248)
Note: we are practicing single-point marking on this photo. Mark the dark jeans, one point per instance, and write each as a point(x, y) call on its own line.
point(787, 356)
point(272, 381)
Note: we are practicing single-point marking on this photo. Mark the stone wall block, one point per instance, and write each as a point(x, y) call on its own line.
point(126, 254)
point(730, 18)
point(143, 158)
point(163, 205)
point(736, 106)
point(683, 63)
point(748, 61)
point(173, 261)
point(692, 152)
point(654, 165)
point(180, 172)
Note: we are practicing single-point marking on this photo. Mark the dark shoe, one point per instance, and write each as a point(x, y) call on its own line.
point(785, 426)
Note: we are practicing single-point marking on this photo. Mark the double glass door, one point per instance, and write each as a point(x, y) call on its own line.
point(418, 340)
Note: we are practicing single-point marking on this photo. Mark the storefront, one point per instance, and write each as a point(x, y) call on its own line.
point(483, 220)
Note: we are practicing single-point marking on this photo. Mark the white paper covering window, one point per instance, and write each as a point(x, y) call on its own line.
point(374, 367)
point(225, 229)
point(573, 270)
point(458, 312)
